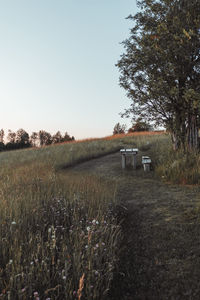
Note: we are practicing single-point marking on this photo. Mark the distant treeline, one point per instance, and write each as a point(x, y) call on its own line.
point(21, 139)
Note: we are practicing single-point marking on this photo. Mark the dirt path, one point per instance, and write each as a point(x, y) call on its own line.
point(161, 258)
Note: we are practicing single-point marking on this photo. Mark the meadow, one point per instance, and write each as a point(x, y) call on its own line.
point(59, 231)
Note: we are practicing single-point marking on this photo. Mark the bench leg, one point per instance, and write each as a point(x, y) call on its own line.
point(146, 167)
point(134, 162)
point(123, 161)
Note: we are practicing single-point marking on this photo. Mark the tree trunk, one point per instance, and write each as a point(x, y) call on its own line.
point(175, 141)
point(178, 132)
point(192, 133)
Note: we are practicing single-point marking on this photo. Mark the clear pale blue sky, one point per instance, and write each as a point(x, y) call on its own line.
point(57, 65)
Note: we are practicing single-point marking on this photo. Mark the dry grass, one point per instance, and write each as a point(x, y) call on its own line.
point(177, 167)
point(59, 235)
point(52, 231)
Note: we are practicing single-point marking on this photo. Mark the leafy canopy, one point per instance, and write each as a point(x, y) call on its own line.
point(160, 69)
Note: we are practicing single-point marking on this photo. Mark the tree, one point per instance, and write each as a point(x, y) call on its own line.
point(2, 136)
point(11, 136)
point(160, 69)
point(67, 138)
point(57, 138)
point(140, 125)
point(22, 138)
point(45, 138)
point(118, 129)
point(33, 138)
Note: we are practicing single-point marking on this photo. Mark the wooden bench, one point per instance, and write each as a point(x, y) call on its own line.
point(146, 161)
point(129, 152)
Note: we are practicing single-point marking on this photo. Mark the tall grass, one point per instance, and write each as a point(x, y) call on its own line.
point(179, 167)
point(58, 232)
point(53, 232)
point(173, 166)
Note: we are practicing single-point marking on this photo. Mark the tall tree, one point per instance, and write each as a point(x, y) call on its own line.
point(67, 138)
point(160, 69)
point(2, 133)
point(33, 138)
point(11, 137)
point(22, 138)
point(57, 137)
point(119, 129)
point(2, 145)
point(45, 138)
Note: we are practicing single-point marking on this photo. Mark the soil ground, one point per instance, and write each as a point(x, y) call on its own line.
point(160, 256)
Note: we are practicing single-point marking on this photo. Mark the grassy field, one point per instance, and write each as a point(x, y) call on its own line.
point(59, 233)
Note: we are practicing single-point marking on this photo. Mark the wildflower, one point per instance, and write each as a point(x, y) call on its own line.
point(88, 228)
point(64, 277)
point(10, 261)
point(96, 273)
point(95, 222)
point(36, 296)
point(23, 290)
point(86, 246)
point(103, 244)
point(97, 245)
point(13, 223)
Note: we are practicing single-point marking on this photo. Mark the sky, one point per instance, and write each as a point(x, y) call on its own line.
point(57, 65)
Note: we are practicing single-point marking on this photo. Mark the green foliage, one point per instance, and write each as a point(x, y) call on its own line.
point(160, 69)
